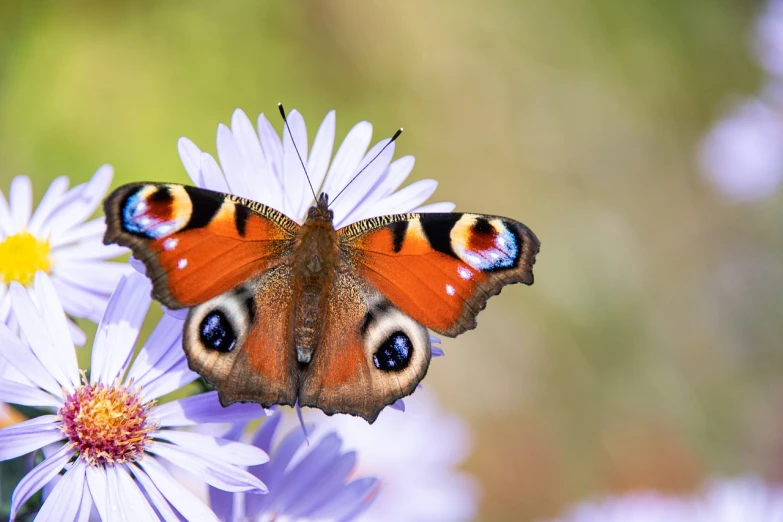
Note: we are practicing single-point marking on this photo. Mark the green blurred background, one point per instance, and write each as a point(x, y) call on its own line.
point(647, 354)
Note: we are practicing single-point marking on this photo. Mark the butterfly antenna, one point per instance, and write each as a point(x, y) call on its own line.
point(396, 135)
point(285, 120)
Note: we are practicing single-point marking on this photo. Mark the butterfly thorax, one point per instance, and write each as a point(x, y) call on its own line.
point(316, 255)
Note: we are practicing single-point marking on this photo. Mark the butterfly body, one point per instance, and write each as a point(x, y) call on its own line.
point(282, 313)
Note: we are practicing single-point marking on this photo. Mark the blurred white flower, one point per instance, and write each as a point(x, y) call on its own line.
point(57, 238)
point(415, 455)
point(745, 499)
point(742, 156)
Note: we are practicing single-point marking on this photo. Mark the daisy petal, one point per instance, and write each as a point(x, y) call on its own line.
point(26, 395)
point(443, 206)
point(183, 500)
point(217, 448)
point(202, 408)
point(190, 155)
point(60, 505)
point(262, 180)
point(52, 198)
point(213, 472)
point(294, 179)
point(98, 484)
point(49, 303)
point(234, 167)
point(93, 229)
point(7, 226)
point(343, 506)
point(21, 194)
point(119, 328)
point(371, 168)
point(37, 333)
point(272, 147)
point(23, 359)
point(155, 496)
point(89, 199)
point(38, 477)
point(123, 491)
point(24, 437)
point(85, 508)
point(347, 158)
point(212, 175)
point(406, 199)
point(320, 154)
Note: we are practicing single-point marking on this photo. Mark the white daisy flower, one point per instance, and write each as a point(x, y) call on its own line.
point(58, 239)
point(106, 431)
point(415, 456)
point(264, 168)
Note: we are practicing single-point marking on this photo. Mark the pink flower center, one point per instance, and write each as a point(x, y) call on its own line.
point(106, 424)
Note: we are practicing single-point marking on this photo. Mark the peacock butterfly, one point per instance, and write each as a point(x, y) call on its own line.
point(282, 313)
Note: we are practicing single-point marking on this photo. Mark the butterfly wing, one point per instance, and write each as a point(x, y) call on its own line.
point(196, 244)
point(370, 354)
point(240, 341)
point(440, 269)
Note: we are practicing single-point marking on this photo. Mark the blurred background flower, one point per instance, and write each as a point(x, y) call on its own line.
point(647, 355)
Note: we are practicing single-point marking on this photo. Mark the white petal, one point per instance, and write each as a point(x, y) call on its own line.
point(321, 153)
point(264, 183)
point(367, 175)
point(48, 203)
point(155, 496)
point(204, 408)
point(221, 449)
point(233, 164)
point(347, 158)
point(91, 230)
point(123, 491)
point(215, 473)
point(89, 199)
point(21, 195)
point(404, 200)
point(294, 179)
point(179, 497)
point(26, 395)
point(390, 180)
point(98, 484)
point(96, 275)
point(59, 505)
point(272, 147)
point(213, 177)
point(190, 155)
point(52, 311)
point(440, 207)
point(39, 476)
point(160, 352)
point(119, 328)
point(30, 435)
point(35, 330)
point(24, 360)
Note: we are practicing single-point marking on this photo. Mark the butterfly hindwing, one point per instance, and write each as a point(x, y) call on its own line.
point(440, 269)
point(240, 341)
point(195, 243)
point(370, 355)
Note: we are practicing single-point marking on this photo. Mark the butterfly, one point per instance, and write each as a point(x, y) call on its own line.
point(282, 313)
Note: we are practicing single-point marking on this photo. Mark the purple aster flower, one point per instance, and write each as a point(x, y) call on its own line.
point(58, 239)
point(264, 168)
point(306, 481)
point(106, 431)
point(746, 499)
point(415, 456)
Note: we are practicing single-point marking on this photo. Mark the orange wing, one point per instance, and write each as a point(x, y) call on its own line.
point(440, 269)
point(196, 243)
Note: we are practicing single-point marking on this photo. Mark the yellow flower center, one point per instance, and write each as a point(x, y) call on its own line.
point(21, 256)
point(107, 423)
